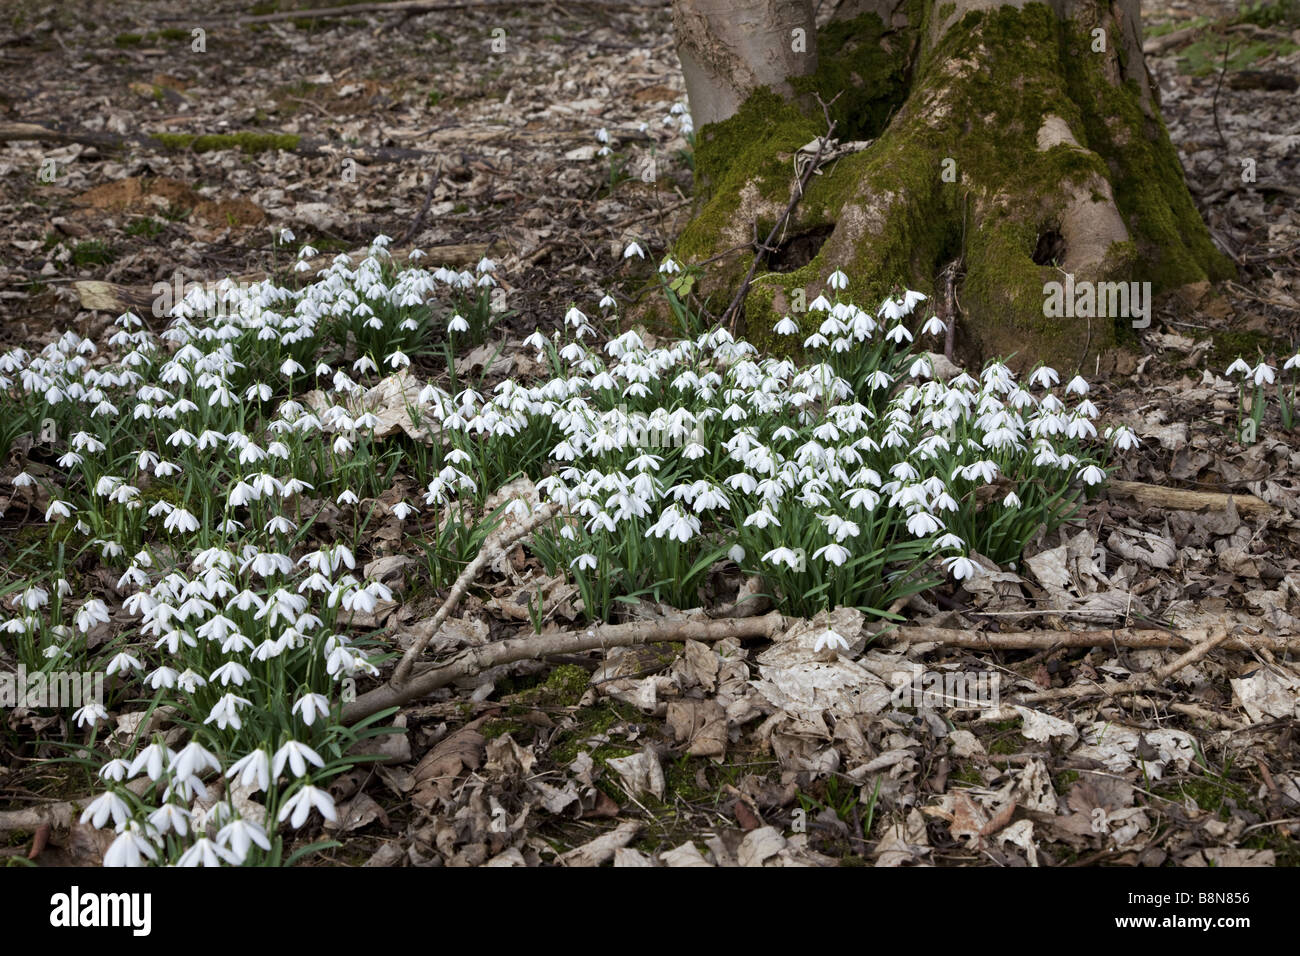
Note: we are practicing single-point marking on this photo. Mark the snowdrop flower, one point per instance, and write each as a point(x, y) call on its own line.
point(115, 771)
point(786, 326)
point(1238, 367)
point(830, 639)
point(1012, 500)
point(297, 755)
point(122, 663)
point(922, 524)
point(58, 510)
point(1263, 374)
point(457, 324)
point(633, 249)
point(960, 567)
point(107, 804)
point(301, 803)
point(91, 613)
point(253, 770)
point(203, 852)
point(231, 672)
point(169, 817)
point(181, 521)
point(1092, 475)
point(787, 556)
point(225, 713)
point(90, 715)
point(310, 706)
point(584, 562)
point(240, 836)
point(838, 280)
point(401, 510)
point(162, 677)
point(834, 553)
point(131, 848)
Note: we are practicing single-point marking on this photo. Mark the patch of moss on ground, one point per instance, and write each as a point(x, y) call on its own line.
point(1253, 347)
point(247, 141)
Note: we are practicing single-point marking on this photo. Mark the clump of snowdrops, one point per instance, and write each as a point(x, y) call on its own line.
point(196, 466)
point(1252, 397)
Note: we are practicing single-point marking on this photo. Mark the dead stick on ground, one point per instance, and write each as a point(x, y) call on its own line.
point(493, 546)
point(1141, 686)
point(1047, 640)
point(1180, 499)
point(474, 660)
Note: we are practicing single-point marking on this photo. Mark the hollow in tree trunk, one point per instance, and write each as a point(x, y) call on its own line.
point(1021, 142)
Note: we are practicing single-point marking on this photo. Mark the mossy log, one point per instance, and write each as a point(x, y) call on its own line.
point(1024, 142)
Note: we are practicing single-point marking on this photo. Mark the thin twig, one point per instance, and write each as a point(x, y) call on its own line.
point(733, 309)
point(494, 545)
point(424, 209)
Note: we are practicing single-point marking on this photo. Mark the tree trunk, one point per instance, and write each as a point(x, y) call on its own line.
point(1013, 144)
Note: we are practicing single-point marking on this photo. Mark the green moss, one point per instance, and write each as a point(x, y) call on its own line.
point(499, 728)
point(568, 682)
point(1230, 345)
point(867, 66)
point(249, 142)
point(125, 41)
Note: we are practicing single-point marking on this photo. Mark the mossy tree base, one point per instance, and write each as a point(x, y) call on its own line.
point(1024, 144)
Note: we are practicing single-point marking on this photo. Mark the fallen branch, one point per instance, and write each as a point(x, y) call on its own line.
point(1047, 640)
point(475, 660)
point(1179, 499)
point(412, 7)
point(494, 545)
point(59, 815)
point(1144, 685)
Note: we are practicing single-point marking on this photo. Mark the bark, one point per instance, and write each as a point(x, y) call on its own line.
point(1022, 142)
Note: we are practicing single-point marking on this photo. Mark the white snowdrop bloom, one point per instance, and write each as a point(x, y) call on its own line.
point(123, 663)
point(1044, 376)
point(837, 280)
point(836, 554)
point(225, 713)
point(1092, 475)
point(1263, 374)
point(783, 555)
point(58, 510)
point(922, 524)
point(633, 249)
point(131, 848)
point(911, 300)
point(1238, 367)
point(961, 567)
point(298, 807)
point(297, 755)
point(830, 639)
point(252, 770)
point(107, 804)
point(240, 836)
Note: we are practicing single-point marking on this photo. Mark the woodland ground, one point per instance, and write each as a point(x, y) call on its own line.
point(511, 137)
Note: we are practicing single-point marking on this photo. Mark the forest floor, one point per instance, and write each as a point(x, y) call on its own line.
point(503, 162)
